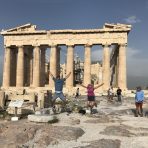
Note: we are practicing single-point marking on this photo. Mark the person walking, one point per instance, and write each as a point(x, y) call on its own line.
point(139, 98)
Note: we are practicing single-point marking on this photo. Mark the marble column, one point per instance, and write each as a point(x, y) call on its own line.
point(53, 64)
point(20, 67)
point(122, 67)
point(106, 66)
point(6, 73)
point(70, 66)
point(43, 51)
point(36, 66)
point(87, 65)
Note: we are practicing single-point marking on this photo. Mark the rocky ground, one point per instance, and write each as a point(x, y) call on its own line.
point(112, 125)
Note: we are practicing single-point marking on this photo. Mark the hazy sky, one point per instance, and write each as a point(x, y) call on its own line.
point(86, 14)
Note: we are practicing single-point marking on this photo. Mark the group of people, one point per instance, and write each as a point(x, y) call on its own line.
point(139, 98)
point(59, 91)
point(111, 94)
point(59, 82)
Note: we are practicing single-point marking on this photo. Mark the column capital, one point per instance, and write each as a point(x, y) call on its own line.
point(6, 46)
point(70, 45)
point(20, 46)
point(88, 45)
point(106, 45)
point(53, 45)
point(122, 44)
point(36, 45)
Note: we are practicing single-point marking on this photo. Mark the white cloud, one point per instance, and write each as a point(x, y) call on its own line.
point(132, 20)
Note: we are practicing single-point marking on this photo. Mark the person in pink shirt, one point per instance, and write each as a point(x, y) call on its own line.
point(91, 95)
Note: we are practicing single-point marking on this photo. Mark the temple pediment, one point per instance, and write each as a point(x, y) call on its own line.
point(117, 26)
point(22, 28)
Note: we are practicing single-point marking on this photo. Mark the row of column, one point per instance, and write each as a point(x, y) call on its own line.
point(54, 53)
point(87, 66)
point(39, 66)
point(70, 65)
point(120, 67)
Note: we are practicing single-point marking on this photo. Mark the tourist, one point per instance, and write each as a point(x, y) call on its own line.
point(110, 94)
point(91, 96)
point(77, 93)
point(119, 95)
point(59, 82)
point(139, 98)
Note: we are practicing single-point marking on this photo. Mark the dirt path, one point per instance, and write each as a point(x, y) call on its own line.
point(113, 126)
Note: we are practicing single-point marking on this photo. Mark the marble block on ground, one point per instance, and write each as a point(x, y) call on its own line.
point(41, 118)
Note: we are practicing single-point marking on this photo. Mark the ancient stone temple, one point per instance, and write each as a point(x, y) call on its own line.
point(25, 50)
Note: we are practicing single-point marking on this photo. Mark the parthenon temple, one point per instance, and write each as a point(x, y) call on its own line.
point(25, 52)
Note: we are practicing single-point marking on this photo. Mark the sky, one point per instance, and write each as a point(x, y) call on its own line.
point(85, 14)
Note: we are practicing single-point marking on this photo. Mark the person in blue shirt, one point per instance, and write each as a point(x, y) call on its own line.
point(59, 82)
point(139, 98)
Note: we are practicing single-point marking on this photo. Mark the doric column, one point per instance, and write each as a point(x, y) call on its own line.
point(53, 64)
point(43, 50)
point(87, 65)
point(106, 67)
point(69, 66)
point(122, 67)
point(36, 66)
point(6, 73)
point(20, 67)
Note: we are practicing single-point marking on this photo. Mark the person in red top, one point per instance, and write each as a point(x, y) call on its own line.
point(91, 95)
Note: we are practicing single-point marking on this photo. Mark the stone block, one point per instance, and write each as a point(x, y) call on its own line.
point(14, 118)
point(20, 91)
point(21, 111)
point(44, 111)
point(41, 118)
point(40, 100)
point(29, 97)
point(48, 98)
point(38, 113)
